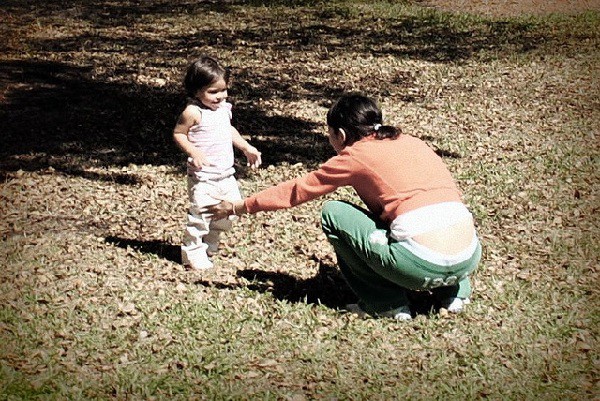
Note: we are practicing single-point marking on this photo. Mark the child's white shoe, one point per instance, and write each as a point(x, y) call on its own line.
point(200, 263)
point(455, 305)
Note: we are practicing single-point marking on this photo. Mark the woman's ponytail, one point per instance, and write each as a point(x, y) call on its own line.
point(386, 131)
point(359, 116)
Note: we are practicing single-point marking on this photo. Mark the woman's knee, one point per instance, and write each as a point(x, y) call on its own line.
point(332, 211)
point(329, 216)
point(330, 208)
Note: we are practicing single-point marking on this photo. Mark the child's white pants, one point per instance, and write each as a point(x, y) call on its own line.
point(201, 232)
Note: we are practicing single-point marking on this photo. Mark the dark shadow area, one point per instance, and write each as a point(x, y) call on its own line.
point(112, 177)
point(105, 13)
point(41, 164)
point(327, 287)
point(68, 116)
point(63, 118)
point(431, 36)
point(447, 153)
point(159, 248)
point(62, 113)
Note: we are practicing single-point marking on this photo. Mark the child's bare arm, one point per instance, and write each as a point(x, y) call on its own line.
point(187, 119)
point(252, 154)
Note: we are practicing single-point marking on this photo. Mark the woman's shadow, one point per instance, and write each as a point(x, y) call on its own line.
point(327, 287)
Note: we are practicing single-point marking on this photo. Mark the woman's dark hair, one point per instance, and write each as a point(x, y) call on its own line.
point(359, 116)
point(202, 72)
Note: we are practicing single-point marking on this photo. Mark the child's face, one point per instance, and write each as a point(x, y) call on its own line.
point(212, 95)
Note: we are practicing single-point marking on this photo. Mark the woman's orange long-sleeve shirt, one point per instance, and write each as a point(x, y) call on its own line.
point(391, 176)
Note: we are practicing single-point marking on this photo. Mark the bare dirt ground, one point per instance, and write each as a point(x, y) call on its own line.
point(514, 8)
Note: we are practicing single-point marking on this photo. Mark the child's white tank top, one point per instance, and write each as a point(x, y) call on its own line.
point(213, 136)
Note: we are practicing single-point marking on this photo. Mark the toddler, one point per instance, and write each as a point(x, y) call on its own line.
point(204, 132)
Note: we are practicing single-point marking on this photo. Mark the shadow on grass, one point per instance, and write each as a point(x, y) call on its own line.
point(328, 287)
point(62, 117)
point(327, 28)
point(159, 248)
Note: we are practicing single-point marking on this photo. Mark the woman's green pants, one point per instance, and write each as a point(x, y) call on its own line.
point(379, 270)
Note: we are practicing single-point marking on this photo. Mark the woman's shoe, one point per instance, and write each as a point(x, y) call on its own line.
point(455, 305)
point(400, 313)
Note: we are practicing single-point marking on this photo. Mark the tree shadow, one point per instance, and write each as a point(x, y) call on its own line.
point(63, 118)
point(429, 35)
point(64, 115)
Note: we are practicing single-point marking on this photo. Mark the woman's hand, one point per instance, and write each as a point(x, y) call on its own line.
point(219, 211)
point(225, 208)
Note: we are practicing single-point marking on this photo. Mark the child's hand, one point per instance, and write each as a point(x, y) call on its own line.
point(198, 161)
point(253, 156)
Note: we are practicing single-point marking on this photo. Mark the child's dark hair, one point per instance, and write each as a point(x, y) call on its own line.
point(359, 116)
point(202, 72)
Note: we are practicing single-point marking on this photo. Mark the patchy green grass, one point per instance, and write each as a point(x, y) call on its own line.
point(94, 302)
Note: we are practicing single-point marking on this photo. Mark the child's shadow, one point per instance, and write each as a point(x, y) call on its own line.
point(159, 248)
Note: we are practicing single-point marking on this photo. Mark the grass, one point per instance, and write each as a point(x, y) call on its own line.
point(95, 303)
